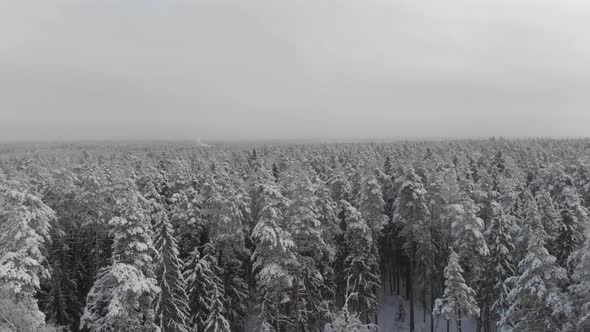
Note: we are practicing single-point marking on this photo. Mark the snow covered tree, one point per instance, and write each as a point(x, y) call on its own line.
point(120, 300)
point(204, 286)
point(458, 301)
point(326, 213)
point(18, 316)
point(95, 208)
point(386, 182)
point(233, 254)
point(372, 207)
point(580, 290)
point(217, 322)
point(500, 261)
point(362, 263)
point(313, 256)
point(122, 296)
point(186, 216)
point(59, 297)
point(340, 186)
point(467, 231)
point(549, 214)
point(274, 258)
point(536, 302)
point(344, 320)
point(410, 218)
point(131, 230)
point(24, 229)
point(273, 227)
point(172, 309)
point(235, 290)
point(411, 211)
point(574, 218)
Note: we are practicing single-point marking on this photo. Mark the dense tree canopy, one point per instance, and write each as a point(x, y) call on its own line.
point(294, 237)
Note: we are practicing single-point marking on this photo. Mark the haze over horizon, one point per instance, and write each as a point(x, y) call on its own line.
point(300, 69)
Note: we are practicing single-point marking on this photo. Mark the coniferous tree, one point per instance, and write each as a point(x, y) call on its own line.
point(500, 264)
point(362, 264)
point(204, 286)
point(215, 196)
point(61, 303)
point(274, 258)
point(467, 231)
point(580, 290)
point(186, 216)
point(310, 249)
point(122, 296)
point(172, 311)
point(549, 213)
point(372, 207)
point(233, 254)
point(340, 186)
point(569, 232)
point(411, 215)
point(216, 321)
point(536, 302)
point(458, 301)
point(24, 229)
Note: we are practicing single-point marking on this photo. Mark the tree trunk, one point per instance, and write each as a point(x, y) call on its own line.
point(459, 321)
point(424, 304)
point(410, 292)
point(432, 299)
point(397, 285)
point(391, 285)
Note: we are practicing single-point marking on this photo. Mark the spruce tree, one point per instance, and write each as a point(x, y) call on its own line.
point(458, 301)
point(372, 207)
point(60, 299)
point(216, 321)
point(204, 285)
point(500, 264)
point(535, 300)
point(233, 255)
point(122, 296)
point(467, 231)
point(274, 258)
point(172, 309)
point(25, 222)
point(362, 263)
point(410, 218)
point(550, 218)
point(311, 251)
point(580, 290)
point(573, 219)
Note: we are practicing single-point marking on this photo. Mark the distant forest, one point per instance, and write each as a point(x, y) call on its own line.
point(295, 237)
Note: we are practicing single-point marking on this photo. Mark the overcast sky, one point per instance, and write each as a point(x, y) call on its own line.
point(313, 69)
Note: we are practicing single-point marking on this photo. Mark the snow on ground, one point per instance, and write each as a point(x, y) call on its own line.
point(389, 307)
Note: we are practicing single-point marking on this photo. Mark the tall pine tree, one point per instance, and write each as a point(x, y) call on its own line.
point(172, 311)
point(536, 302)
point(458, 301)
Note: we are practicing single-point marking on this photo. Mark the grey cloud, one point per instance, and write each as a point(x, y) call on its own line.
point(228, 69)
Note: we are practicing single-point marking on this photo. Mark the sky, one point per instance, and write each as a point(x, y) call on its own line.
point(293, 69)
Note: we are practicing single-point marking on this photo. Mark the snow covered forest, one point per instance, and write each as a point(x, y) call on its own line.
point(480, 235)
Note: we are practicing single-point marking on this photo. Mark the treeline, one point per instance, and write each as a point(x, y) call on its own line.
point(295, 237)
